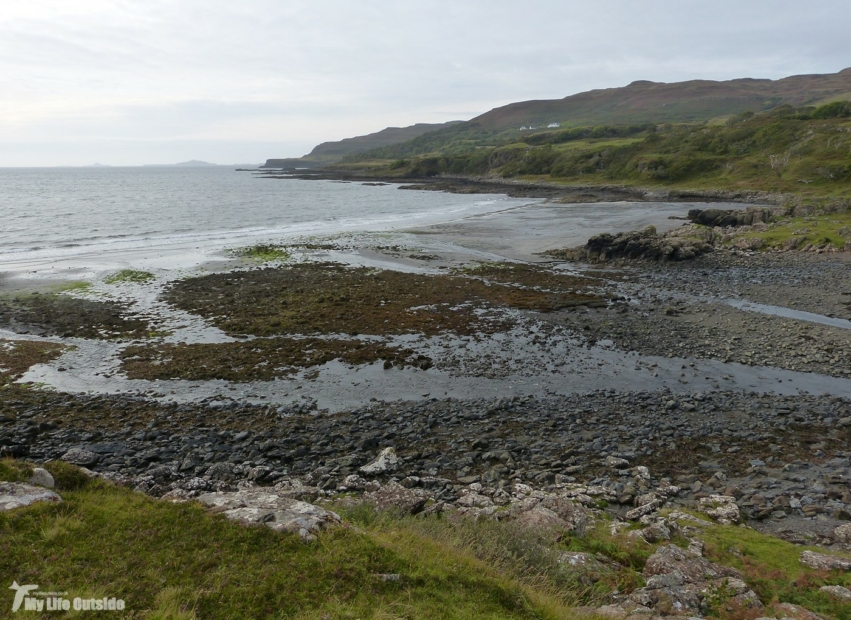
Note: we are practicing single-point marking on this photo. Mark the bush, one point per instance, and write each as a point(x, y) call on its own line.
point(836, 109)
point(67, 476)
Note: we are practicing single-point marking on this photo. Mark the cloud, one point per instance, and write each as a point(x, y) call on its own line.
point(299, 72)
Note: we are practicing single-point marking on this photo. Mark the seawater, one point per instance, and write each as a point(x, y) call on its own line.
point(59, 213)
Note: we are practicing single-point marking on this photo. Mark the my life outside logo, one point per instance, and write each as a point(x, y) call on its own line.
point(30, 598)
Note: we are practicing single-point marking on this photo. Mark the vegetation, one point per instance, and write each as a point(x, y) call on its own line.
point(828, 230)
point(67, 316)
point(171, 560)
point(772, 568)
point(16, 357)
point(800, 150)
point(179, 561)
point(313, 298)
point(262, 253)
point(130, 275)
point(256, 360)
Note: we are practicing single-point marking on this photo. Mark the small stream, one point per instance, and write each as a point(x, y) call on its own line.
point(788, 313)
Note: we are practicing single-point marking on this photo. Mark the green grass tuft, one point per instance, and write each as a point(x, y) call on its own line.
point(262, 253)
point(130, 275)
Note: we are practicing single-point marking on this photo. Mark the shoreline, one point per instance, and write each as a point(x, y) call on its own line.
point(304, 368)
point(518, 188)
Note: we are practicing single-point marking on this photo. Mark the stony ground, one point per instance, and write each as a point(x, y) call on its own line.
point(782, 463)
point(784, 459)
point(679, 310)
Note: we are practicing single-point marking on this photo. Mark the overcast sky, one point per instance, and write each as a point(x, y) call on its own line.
point(128, 82)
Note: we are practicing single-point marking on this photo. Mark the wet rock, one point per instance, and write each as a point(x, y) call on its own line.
point(78, 456)
point(253, 506)
point(16, 495)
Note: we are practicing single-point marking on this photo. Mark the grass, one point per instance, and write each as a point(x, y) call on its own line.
point(130, 275)
point(772, 568)
point(262, 253)
point(179, 561)
point(74, 285)
point(831, 230)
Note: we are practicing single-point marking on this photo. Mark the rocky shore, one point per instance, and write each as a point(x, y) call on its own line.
point(225, 369)
point(783, 459)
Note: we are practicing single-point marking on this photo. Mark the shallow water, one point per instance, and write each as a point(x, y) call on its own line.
point(789, 313)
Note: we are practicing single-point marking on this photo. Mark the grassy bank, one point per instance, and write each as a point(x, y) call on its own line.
point(171, 560)
point(179, 561)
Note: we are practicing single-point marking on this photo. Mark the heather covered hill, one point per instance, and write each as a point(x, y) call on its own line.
point(695, 100)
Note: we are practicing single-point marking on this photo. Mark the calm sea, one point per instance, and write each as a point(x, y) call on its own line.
point(62, 212)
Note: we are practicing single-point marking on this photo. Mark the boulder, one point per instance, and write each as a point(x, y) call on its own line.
point(78, 456)
point(722, 508)
point(385, 463)
point(42, 478)
point(259, 505)
point(679, 583)
point(16, 495)
point(393, 496)
point(838, 592)
point(795, 612)
point(656, 532)
point(821, 561)
point(842, 533)
point(543, 520)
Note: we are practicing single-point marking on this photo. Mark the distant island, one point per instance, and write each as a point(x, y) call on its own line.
point(192, 163)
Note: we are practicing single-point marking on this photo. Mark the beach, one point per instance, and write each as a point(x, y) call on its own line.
point(427, 339)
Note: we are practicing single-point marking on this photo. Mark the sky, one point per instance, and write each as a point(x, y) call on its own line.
point(127, 82)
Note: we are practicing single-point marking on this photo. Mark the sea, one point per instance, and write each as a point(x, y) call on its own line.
point(79, 216)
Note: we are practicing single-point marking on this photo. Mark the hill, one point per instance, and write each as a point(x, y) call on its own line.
point(644, 101)
point(330, 152)
point(638, 103)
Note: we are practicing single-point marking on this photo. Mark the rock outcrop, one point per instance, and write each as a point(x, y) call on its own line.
point(261, 505)
point(680, 244)
point(682, 583)
point(16, 495)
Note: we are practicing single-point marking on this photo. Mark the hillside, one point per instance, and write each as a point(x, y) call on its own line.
point(640, 102)
point(695, 100)
point(790, 150)
point(329, 152)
